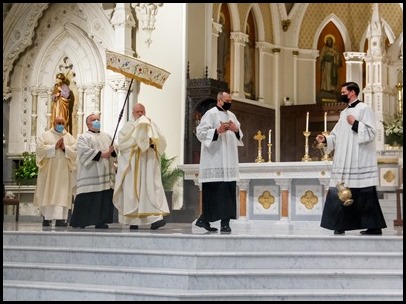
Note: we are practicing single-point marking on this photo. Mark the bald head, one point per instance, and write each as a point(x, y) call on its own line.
point(59, 124)
point(138, 110)
point(223, 97)
point(59, 120)
point(91, 118)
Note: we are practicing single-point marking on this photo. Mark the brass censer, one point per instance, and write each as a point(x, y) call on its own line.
point(344, 194)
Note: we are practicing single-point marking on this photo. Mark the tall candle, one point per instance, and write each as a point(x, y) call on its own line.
point(307, 122)
point(325, 121)
point(269, 136)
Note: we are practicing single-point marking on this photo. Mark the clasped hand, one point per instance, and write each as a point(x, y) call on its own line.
point(227, 126)
point(60, 144)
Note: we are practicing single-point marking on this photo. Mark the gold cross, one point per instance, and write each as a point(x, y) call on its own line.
point(259, 137)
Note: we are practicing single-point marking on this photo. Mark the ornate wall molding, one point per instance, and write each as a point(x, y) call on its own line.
point(17, 36)
point(146, 13)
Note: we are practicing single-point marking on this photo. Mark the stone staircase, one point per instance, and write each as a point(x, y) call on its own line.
point(119, 265)
point(68, 265)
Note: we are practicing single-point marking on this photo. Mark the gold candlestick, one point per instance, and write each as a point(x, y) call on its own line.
point(306, 157)
point(326, 156)
point(259, 137)
point(269, 153)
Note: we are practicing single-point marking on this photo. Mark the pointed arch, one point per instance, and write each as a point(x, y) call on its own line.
point(258, 19)
point(254, 29)
point(224, 45)
point(341, 28)
point(234, 16)
point(330, 40)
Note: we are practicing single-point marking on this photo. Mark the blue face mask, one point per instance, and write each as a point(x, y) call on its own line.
point(96, 124)
point(59, 128)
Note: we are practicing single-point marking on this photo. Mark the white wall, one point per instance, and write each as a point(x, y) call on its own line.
point(166, 106)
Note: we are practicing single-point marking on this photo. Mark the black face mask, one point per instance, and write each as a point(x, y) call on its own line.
point(227, 106)
point(344, 98)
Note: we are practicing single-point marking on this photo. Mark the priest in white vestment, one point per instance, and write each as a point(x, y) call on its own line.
point(139, 195)
point(56, 160)
point(355, 165)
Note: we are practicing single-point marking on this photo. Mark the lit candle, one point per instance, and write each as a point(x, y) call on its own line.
point(307, 122)
point(325, 121)
point(269, 136)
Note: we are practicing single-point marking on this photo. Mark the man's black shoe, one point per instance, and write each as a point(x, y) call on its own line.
point(60, 223)
point(371, 232)
point(339, 232)
point(225, 229)
point(158, 224)
point(203, 224)
point(133, 227)
point(102, 226)
point(46, 223)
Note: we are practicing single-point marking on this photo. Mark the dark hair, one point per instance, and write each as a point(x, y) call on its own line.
point(351, 86)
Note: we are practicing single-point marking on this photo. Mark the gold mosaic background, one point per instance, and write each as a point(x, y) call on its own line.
point(355, 17)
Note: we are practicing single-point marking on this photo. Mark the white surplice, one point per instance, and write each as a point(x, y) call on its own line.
point(94, 176)
point(355, 160)
point(219, 158)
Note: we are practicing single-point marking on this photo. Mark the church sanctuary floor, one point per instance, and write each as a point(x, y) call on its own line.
point(281, 260)
point(239, 227)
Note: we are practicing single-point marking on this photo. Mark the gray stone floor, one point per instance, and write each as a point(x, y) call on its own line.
point(239, 227)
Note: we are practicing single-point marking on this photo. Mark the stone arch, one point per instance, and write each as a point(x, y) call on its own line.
point(234, 16)
point(83, 39)
point(341, 28)
point(88, 66)
point(259, 21)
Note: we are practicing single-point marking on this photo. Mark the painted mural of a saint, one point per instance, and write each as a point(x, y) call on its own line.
point(330, 61)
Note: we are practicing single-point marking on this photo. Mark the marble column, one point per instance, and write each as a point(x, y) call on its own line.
point(239, 40)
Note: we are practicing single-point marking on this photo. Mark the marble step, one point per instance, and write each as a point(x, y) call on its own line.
point(388, 196)
point(389, 210)
point(204, 260)
point(351, 241)
point(203, 279)
point(16, 290)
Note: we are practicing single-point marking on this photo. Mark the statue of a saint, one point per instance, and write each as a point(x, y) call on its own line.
point(62, 101)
